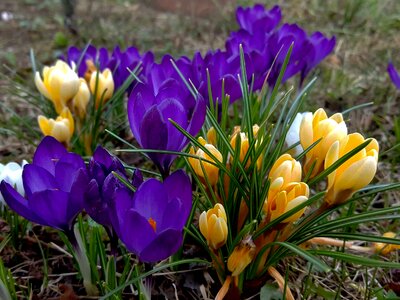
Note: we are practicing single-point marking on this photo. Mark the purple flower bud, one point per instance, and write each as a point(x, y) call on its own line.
point(149, 115)
point(102, 185)
point(54, 186)
point(394, 75)
point(256, 18)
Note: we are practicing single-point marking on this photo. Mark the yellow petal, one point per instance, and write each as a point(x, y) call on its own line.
point(358, 175)
point(41, 87)
point(44, 125)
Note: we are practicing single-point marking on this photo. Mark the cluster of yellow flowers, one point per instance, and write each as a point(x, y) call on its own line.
point(69, 93)
point(330, 141)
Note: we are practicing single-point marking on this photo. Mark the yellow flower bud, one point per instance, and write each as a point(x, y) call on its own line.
point(213, 226)
point(81, 99)
point(286, 167)
point(317, 126)
point(385, 249)
point(356, 173)
point(282, 199)
point(242, 256)
point(210, 171)
point(60, 84)
point(104, 83)
point(244, 144)
point(61, 128)
point(212, 136)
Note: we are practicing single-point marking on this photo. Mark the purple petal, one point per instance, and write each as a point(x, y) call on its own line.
point(19, 204)
point(178, 186)
point(154, 133)
point(48, 153)
point(140, 101)
point(120, 204)
point(150, 200)
point(51, 206)
point(137, 232)
point(394, 75)
point(102, 156)
point(66, 173)
point(37, 179)
point(173, 216)
point(163, 246)
point(78, 188)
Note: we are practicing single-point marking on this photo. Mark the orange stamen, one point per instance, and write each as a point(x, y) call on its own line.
point(152, 223)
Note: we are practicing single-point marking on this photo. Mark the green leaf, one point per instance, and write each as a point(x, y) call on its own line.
point(305, 254)
point(357, 260)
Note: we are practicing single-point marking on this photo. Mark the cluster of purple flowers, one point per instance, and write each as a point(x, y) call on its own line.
point(58, 186)
point(261, 37)
point(162, 94)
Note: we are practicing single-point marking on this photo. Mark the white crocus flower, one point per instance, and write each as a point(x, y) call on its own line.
point(293, 135)
point(12, 174)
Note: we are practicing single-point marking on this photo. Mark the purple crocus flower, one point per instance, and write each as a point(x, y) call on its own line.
point(319, 48)
point(158, 74)
point(394, 75)
point(149, 115)
point(102, 185)
point(98, 57)
point(223, 69)
point(54, 187)
point(257, 18)
point(150, 222)
point(127, 61)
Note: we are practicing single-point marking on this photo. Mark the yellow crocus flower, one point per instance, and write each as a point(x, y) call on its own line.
point(104, 83)
point(281, 199)
point(314, 127)
point(213, 226)
point(383, 248)
point(241, 256)
point(356, 173)
point(286, 167)
point(81, 99)
point(60, 84)
point(211, 171)
point(61, 128)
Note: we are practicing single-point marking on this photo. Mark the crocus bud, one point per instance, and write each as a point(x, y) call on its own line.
point(356, 173)
point(104, 83)
point(287, 168)
point(242, 256)
point(61, 128)
point(212, 136)
point(280, 199)
point(81, 99)
point(60, 84)
point(12, 174)
point(385, 249)
point(318, 126)
point(211, 171)
point(213, 226)
point(244, 144)
point(293, 135)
